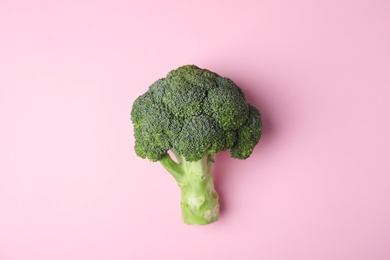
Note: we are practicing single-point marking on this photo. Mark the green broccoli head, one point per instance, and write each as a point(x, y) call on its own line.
point(194, 112)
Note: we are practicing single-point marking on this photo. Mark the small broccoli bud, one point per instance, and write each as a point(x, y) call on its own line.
point(248, 135)
point(185, 101)
point(227, 106)
point(157, 89)
point(194, 76)
point(198, 135)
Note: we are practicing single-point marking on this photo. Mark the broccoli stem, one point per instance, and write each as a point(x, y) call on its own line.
point(199, 200)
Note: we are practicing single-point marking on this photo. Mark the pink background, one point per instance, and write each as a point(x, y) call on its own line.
point(316, 187)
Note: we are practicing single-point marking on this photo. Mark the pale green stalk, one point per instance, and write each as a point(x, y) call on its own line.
point(199, 200)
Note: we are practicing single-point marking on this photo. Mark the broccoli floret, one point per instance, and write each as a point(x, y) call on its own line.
point(227, 106)
point(194, 113)
point(248, 135)
point(197, 137)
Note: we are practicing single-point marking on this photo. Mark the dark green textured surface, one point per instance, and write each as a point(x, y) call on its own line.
point(195, 113)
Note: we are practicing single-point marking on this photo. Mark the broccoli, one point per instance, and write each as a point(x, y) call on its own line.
point(194, 113)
